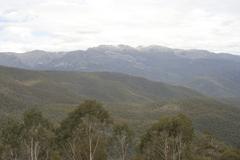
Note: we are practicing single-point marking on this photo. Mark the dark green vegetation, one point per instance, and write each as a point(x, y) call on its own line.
point(90, 133)
point(70, 87)
point(135, 100)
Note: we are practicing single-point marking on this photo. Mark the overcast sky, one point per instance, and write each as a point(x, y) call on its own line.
point(56, 25)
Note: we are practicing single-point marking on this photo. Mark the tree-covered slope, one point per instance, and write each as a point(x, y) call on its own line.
point(128, 98)
point(71, 87)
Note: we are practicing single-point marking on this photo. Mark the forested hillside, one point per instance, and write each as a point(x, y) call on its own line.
point(131, 99)
point(71, 87)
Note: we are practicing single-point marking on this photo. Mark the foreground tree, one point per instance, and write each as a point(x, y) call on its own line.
point(86, 134)
point(10, 140)
point(169, 139)
point(37, 134)
point(121, 142)
point(206, 146)
point(82, 134)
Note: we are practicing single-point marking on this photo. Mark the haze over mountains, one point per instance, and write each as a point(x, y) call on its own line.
point(216, 75)
point(173, 81)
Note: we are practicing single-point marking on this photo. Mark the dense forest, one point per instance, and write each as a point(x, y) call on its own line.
point(133, 100)
point(90, 133)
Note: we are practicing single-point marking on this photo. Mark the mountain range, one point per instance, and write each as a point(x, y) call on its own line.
point(216, 75)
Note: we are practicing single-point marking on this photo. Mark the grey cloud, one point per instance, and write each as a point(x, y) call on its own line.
point(207, 24)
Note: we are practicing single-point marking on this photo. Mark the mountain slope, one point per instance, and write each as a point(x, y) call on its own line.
point(216, 75)
point(133, 99)
point(222, 120)
point(70, 87)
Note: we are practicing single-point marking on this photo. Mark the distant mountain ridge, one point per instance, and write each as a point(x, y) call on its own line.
point(216, 75)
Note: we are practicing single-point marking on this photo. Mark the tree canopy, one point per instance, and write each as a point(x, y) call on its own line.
point(89, 133)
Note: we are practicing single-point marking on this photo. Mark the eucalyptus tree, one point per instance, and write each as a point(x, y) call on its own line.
point(37, 134)
point(121, 142)
point(10, 139)
point(168, 139)
point(81, 136)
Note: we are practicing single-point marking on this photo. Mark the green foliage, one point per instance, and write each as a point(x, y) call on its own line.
point(83, 132)
point(87, 133)
point(122, 130)
point(206, 146)
point(121, 143)
point(168, 139)
point(31, 138)
point(37, 134)
point(231, 154)
point(10, 139)
point(55, 156)
point(90, 109)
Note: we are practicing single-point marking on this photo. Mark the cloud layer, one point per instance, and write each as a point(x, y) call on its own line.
point(78, 24)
